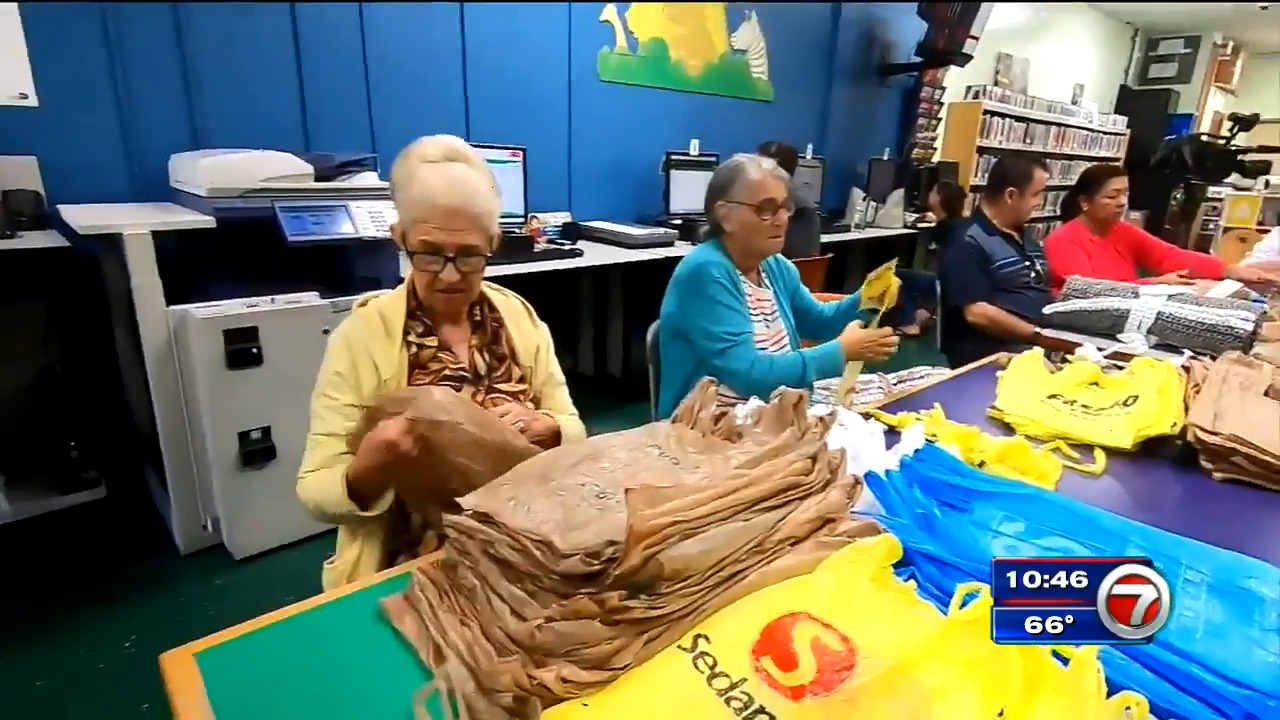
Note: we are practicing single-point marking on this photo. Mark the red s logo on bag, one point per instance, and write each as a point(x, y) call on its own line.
point(801, 657)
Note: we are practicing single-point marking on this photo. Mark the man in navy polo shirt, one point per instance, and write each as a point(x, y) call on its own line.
point(994, 285)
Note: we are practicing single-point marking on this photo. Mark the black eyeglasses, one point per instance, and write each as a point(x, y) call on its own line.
point(768, 208)
point(434, 262)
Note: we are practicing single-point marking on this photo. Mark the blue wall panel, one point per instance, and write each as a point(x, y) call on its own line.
point(413, 55)
point(863, 112)
point(76, 131)
point(517, 62)
point(335, 92)
point(124, 85)
point(242, 74)
point(621, 131)
point(151, 84)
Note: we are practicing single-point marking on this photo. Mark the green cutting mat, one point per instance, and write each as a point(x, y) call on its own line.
point(339, 660)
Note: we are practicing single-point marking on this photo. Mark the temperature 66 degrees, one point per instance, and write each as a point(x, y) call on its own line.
point(1031, 579)
point(1051, 624)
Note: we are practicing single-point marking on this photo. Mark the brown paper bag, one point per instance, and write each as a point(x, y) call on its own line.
point(460, 446)
point(590, 558)
point(1234, 419)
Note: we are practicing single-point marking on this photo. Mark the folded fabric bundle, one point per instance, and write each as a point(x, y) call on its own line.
point(1179, 318)
point(1216, 659)
point(1082, 288)
point(1234, 419)
point(874, 388)
point(1083, 403)
point(590, 558)
point(1225, 289)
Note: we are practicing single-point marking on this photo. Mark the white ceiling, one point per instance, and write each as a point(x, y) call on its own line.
point(1258, 31)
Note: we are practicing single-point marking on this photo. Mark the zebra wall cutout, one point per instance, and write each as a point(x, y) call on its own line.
point(749, 40)
point(686, 47)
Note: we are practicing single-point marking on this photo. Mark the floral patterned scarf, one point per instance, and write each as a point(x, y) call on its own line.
point(490, 377)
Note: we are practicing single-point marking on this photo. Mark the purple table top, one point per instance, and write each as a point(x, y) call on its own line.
point(1160, 493)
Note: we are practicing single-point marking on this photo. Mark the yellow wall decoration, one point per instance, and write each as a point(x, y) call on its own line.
point(686, 47)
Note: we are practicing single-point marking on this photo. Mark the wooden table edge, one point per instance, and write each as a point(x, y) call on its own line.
point(180, 672)
point(895, 397)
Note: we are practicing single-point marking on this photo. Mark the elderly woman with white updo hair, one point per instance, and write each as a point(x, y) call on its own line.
point(443, 326)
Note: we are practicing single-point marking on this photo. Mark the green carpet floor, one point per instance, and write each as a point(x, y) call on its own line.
point(82, 627)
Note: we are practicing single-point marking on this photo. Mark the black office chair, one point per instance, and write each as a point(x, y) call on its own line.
point(651, 359)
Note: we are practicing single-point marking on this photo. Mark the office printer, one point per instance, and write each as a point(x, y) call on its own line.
point(232, 172)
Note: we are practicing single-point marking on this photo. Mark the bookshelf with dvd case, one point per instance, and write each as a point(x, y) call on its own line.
point(992, 122)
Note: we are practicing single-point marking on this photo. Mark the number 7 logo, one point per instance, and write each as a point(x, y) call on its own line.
point(1144, 595)
point(1133, 602)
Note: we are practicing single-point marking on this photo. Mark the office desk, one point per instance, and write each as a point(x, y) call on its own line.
point(24, 356)
point(680, 249)
point(594, 254)
point(1161, 493)
point(331, 656)
point(855, 261)
point(34, 240)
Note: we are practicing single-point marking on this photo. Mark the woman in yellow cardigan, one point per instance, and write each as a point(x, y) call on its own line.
point(443, 326)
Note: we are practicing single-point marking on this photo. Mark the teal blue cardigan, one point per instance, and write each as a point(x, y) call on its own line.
point(704, 330)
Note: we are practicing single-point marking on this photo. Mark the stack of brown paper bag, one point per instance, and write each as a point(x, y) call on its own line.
point(1234, 418)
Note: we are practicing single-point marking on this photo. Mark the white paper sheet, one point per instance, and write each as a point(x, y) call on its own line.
point(17, 86)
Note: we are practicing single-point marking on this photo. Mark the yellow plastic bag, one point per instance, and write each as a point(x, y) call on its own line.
point(1082, 403)
point(879, 292)
point(1014, 457)
point(850, 640)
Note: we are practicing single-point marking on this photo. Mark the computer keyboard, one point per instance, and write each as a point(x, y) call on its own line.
point(544, 252)
point(830, 225)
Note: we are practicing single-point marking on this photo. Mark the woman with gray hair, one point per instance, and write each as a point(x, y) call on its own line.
point(735, 309)
point(443, 326)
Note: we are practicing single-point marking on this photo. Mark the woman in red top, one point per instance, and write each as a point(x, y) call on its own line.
point(1095, 242)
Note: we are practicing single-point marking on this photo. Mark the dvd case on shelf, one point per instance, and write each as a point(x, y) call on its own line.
point(991, 93)
point(1030, 135)
point(1061, 172)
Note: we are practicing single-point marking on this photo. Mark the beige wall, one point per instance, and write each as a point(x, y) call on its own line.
point(1259, 87)
point(1067, 43)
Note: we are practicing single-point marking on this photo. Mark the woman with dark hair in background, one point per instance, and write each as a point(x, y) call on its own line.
point(946, 206)
point(1095, 241)
point(804, 230)
point(917, 299)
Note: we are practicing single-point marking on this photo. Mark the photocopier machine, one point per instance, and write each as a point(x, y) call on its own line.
point(250, 304)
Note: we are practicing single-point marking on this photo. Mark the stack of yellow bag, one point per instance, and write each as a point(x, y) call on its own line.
point(1083, 403)
point(850, 640)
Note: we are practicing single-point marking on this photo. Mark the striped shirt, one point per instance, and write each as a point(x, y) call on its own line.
point(768, 330)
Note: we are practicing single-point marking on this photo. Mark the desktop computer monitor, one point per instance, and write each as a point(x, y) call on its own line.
point(687, 176)
point(507, 162)
point(808, 179)
point(948, 170)
point(882, 174)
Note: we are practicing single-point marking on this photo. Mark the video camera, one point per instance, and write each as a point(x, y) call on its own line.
point(1210, 159)
point(1192, 163)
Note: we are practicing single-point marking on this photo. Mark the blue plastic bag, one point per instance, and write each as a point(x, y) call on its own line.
point(1219, 654)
